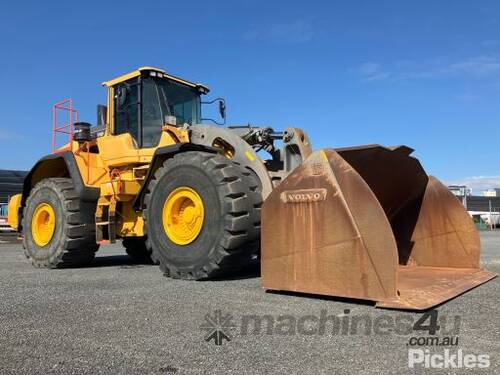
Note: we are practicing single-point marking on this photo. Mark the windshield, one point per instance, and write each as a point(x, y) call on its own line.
point(179, 101)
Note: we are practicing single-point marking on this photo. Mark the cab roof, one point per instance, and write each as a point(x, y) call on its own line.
point(136, 73)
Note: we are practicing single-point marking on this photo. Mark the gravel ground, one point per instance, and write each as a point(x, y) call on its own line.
point(126, 318)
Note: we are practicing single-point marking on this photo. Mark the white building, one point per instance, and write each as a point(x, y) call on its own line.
point(486, 206)
point(460, 190)
point(495, 192)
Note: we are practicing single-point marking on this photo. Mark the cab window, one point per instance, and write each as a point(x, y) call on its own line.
point(152, 119)
point(126, 108)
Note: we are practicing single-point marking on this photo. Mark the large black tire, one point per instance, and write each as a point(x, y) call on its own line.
point(231, 229)
point(252, 248)
point(137, 250)
point(73, 242)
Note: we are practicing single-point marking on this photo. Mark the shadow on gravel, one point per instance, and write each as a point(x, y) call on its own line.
point(9, 238)
point(350, 301)
point(124, 261)
point(249, 272)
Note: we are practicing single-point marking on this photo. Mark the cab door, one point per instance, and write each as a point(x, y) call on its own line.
point(121, 146)
point(127, 109)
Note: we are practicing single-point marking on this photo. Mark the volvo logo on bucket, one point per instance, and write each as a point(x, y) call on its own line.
point(303, 196)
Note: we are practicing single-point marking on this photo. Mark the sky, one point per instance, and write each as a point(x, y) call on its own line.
point(421, 73)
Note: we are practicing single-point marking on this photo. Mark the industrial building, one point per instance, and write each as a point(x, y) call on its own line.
point(495, 192)
point(485, 207)
point(11, 182)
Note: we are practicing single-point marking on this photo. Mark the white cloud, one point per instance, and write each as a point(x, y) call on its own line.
point(478, 183)
point(369, 68)
point(381, 76)
point(372, 71)
point(466, 97)
point(490, 43)
point(7, 135)
point(293, 32)
point(478, 66)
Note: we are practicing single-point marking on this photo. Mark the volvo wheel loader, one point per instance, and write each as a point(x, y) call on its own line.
point(364, 222)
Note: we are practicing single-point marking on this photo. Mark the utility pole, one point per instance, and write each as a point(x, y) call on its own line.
point(491, 218)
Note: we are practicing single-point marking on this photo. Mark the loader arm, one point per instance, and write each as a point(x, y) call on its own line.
point(243, 143)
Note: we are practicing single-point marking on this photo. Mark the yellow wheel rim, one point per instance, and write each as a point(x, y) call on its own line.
point(183, 215)
point(43, 224)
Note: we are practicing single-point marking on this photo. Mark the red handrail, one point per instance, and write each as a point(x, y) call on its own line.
point(64, 106)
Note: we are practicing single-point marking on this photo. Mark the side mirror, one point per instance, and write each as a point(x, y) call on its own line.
point(222, 109)
point(102, 115)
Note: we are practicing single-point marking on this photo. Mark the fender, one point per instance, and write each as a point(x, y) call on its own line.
point(58, 165)
point(160, 155)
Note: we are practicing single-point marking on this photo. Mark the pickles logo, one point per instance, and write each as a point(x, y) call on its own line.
point(303, 195)
point(448, 359)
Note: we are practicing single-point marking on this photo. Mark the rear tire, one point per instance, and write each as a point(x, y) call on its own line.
point(231, 226)
point(73, 240)
point(137, 250)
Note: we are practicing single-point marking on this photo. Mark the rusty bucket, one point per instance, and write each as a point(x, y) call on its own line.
point(369, 223)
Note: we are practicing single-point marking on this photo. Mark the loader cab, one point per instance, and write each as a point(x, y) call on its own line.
point(140, 105)
point(143, 101)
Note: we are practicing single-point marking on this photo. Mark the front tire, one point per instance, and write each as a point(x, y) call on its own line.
point(230, 221)
point(58, 228)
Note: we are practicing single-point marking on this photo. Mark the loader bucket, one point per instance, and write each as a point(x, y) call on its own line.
point(368, 223)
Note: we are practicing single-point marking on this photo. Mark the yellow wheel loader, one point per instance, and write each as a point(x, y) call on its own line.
point(363, 222)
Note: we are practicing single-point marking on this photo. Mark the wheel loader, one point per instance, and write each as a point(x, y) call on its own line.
point(203, 199)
